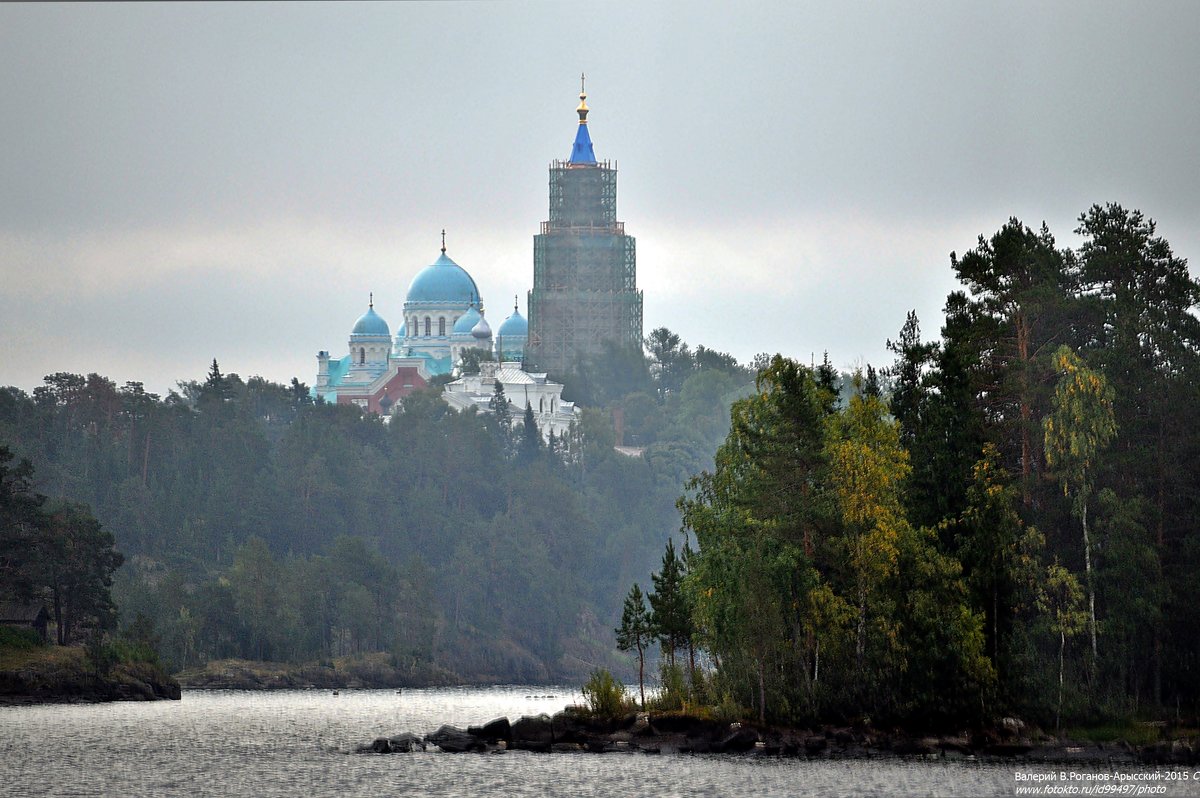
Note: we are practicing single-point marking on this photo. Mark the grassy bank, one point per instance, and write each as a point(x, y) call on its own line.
point(33, 672)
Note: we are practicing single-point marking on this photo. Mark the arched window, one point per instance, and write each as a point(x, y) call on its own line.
point(442, 327)
point(542, 405)
point(427, 323)
point(362, 356)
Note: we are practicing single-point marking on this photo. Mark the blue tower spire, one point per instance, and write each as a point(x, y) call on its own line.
point(581, 150)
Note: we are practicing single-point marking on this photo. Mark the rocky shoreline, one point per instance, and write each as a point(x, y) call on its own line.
point(125, 682)
point(573, 730)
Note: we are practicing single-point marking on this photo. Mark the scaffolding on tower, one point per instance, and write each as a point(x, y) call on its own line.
point(584, 271)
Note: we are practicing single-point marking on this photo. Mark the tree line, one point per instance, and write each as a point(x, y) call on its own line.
point(1002, 520)
point(256, 523)
point(56, 554)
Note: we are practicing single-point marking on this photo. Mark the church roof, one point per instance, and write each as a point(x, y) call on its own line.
point(371, 323)
point(467, 321)
point(581, 150)
point(482, 330)
point(513, 374)
point(514, 326)
point(443, 282)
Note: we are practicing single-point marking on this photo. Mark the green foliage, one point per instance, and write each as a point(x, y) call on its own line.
point(1018, 281)
point(610, 374)
point(635, 632)
point(1078, 428)
point(58, 553)
point(813, 592)
point(670, 608)
point(138, 641)
point(1128, 731)
point(100, 655)
point(472, 357)
point(1063, 615)
point(605, 696)
point(530, 443)
point(20, 639)
point(673, 694)
point(469, 553)
point(500, 406)
point(1081, 423)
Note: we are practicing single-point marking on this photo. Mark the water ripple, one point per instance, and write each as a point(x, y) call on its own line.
point(297, 743)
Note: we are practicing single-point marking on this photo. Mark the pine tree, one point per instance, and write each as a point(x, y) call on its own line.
point(1143, 334)
point(216, 384)
point(636, 632)
point(1019, 283)
point(531, 438)
point(499, 405)
point(670, 613)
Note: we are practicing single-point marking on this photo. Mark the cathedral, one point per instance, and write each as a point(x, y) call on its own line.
point(584, 293)
point(443, 320)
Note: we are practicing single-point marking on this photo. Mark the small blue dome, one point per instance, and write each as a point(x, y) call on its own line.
point(515, 326)
point(371, 323)
point(401, 332)
point(443, 282)
point(467, 321)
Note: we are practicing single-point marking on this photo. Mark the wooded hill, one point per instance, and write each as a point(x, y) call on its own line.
point(256, 524)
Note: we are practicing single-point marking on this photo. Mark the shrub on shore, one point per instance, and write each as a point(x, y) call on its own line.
point(605, 696)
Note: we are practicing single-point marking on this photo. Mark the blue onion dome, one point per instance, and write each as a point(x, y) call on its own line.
point(443, 282)
point(403, 331)
point(371, 323)
point(482, 330)
point(467, 321)
point(514, 326)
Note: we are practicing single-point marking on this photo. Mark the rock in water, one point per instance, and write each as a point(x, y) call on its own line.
point(738, 740)
point(406, 743)
point(453, 740)
point(533, 733)
point(493, 731)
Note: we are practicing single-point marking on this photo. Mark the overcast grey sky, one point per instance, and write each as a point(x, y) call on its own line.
point(183, 182)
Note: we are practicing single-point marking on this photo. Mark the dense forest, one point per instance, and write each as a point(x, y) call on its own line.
point(1001, 521)
point(256, 524)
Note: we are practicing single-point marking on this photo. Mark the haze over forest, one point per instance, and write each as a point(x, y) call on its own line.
point(191, 181)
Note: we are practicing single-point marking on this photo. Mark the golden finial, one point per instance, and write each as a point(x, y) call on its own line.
point(582, 109)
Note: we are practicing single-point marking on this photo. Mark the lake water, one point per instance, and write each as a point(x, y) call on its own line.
point(300, 743)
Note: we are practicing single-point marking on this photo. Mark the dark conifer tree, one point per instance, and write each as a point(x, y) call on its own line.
point(531, 438)
point(636, 632)
point(670, 610)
